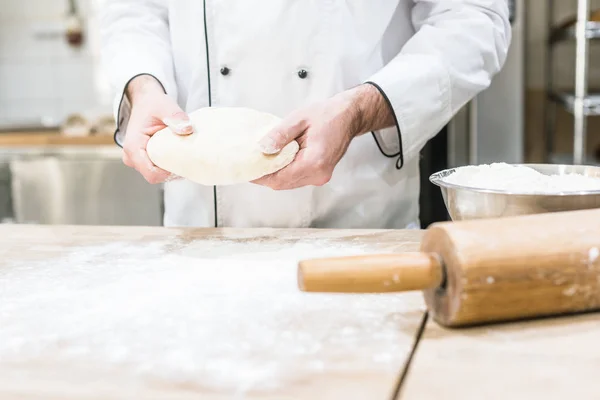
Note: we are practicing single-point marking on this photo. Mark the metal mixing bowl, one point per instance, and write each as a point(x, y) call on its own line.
point(464, 202)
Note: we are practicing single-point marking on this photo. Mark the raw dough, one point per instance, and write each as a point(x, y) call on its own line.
point(223, 149)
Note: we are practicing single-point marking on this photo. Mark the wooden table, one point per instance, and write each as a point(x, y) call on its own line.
point(49, 277)
point(51, 138)
point(553, 358)
point(557, 358)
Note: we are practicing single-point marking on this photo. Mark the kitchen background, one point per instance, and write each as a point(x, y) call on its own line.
point(44, 79)
point(58, 163)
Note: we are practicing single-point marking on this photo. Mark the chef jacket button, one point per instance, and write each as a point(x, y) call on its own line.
point(302, 74)
point(224, 71)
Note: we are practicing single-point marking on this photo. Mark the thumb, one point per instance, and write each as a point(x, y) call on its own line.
point(281, 135)
point(175, 118)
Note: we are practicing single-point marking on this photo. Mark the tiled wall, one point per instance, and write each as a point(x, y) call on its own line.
point(41, 76)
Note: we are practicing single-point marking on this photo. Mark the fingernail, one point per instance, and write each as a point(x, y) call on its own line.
point(172, 178)
point(179, 126)
point(268, 146)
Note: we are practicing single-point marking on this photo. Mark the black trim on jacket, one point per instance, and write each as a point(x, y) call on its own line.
point(123, 95)
point(400, 153)
point(209, 101)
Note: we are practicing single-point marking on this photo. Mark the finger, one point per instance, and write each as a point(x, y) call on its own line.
point(173, 177)
point(291, 176)
point(139, 160)
point(148, 170)
point(288, 130)
point(174, 117)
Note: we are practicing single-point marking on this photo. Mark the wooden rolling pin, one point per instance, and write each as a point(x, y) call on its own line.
point(482, 271)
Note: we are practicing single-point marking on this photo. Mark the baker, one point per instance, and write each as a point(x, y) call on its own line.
point(361, 85)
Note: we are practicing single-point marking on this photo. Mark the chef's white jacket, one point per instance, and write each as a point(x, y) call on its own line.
point(427, 57)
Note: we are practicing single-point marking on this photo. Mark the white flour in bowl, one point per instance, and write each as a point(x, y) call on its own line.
point(516, 178)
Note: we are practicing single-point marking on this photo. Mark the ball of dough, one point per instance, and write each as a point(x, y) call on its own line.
point(223, 150)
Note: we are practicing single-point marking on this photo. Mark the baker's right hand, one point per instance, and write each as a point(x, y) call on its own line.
point(151, 111)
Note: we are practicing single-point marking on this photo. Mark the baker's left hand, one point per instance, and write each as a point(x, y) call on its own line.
point(323, 131)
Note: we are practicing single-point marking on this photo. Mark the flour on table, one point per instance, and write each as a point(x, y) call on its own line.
point(520, 179)
point(211, 314)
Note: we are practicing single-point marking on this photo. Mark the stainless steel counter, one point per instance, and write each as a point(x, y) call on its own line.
point(78, 185)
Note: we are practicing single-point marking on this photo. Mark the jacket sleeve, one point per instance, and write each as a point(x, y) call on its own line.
point(458, 47)
point(135, 40)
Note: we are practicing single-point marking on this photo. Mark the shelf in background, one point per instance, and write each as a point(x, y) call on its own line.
point(567, 32)
point(560, 158)
point(591, 104)
point(49, 138)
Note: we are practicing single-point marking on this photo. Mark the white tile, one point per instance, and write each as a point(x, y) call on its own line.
point(18, 42)
point(17, 111)
point(76, 106)
point(29, 80)
point(38, 29)
point(61, 50)
point(52, 35)
point(31, 9)
point(87, 7)
point(75, 79)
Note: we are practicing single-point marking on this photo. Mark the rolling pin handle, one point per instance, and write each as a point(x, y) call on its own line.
point(371, 273)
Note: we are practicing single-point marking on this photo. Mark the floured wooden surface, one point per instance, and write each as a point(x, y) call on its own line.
point(557, 358)
point(142, 313)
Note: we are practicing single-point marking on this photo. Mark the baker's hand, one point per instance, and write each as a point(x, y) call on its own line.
point(151, 111)
point(324, 131)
